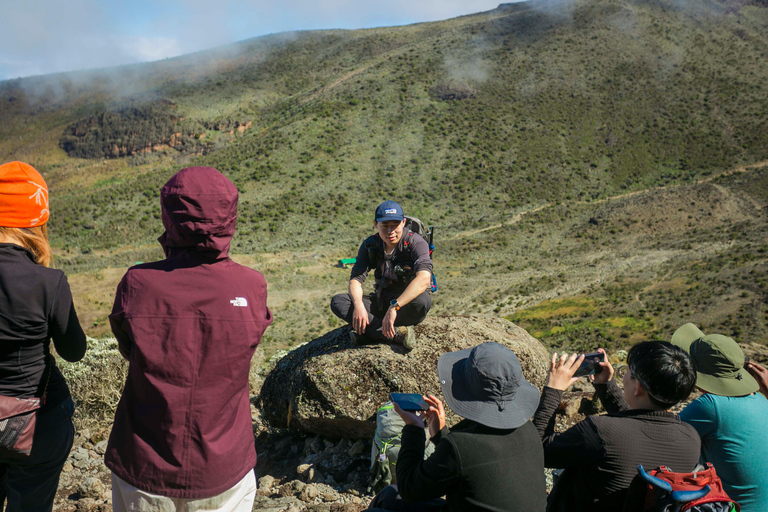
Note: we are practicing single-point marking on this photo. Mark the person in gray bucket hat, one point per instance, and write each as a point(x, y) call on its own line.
point(492, 460)
point(730, 416)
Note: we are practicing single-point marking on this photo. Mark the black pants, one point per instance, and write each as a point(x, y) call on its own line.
point(29, 484)
point(389, 500)
point(411, 314)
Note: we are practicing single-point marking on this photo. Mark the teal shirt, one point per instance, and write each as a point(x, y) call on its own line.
point(734, 437)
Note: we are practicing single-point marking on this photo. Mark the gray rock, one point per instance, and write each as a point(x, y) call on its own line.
point(331, 388)
point(303, 469)
point(91, 488)
point(101, 447)
point(266, 482)
point(309, 494)
point(359, 448)
point(85, 505)
point(82, 464)
point(80, 454)
point(313, 445)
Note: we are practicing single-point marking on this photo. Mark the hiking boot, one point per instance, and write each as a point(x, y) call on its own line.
point(406, 337)
point(358, 339)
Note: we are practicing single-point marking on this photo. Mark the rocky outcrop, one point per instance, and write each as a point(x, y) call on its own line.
point(332, 388)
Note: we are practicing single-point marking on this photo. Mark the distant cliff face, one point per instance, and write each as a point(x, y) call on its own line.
point(124, 131)
point(141, 128)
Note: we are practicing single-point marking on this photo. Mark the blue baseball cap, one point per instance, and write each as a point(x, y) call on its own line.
point(389, 210)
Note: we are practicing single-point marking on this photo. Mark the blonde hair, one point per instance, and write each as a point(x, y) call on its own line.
point(34, 239)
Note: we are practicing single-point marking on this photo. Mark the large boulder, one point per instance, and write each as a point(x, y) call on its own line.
point(331, 388)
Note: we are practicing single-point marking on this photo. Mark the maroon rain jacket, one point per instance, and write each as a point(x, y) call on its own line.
point(189, 326)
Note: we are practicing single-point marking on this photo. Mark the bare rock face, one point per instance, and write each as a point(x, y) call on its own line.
point(331, 388)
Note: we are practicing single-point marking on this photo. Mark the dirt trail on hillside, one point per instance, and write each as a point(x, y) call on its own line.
point(516, 218)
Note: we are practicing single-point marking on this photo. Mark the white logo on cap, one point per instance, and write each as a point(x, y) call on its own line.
point(391, 210)
point(239, 302)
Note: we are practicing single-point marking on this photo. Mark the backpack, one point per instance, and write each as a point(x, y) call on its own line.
point(412, 225)
point(700, 491)
point(386, 447)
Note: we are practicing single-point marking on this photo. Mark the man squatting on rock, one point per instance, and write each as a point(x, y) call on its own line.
point(403, 271)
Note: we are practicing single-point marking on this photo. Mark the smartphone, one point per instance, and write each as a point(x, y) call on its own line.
point(590, 365)
point(409, 401)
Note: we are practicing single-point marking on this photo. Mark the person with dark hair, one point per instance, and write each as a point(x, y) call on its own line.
point(731, 416)
point(600, 454)
point(35, 307)
point(402, 271)
point(491, 460)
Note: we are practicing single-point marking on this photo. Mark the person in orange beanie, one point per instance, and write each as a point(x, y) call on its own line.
point(35, 307)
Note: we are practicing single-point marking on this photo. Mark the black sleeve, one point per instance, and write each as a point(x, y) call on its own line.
point(611, 397)
point(579, 445)
point(544, 417)
point(419, 479)
point(64, 327)
point(362, 265)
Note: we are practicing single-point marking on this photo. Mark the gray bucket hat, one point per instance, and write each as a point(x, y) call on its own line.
point(486, 384)
point(719, 362)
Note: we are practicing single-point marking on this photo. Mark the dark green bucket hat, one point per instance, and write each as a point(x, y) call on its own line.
point(719, 362)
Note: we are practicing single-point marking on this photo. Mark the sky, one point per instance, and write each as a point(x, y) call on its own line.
point(50, 36)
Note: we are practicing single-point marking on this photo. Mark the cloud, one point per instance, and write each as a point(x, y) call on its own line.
point(48, 36)
point(145, 49)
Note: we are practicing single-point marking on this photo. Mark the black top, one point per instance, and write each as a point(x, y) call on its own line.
point(600, 454)
point(35, 306)
point(477, 468)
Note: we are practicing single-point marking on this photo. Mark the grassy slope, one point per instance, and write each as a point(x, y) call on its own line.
point(573, 106)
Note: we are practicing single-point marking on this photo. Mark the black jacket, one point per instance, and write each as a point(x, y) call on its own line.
point(35, 306)
point(477, 468)
point(600, 454)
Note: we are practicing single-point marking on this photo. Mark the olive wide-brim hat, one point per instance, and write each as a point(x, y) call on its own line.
point(719, 362)
point(486, 384)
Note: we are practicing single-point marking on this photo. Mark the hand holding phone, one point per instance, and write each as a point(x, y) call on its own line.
point(409, 401)
point(590, 365)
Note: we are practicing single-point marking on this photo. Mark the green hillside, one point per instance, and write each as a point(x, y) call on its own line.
point(468, 122)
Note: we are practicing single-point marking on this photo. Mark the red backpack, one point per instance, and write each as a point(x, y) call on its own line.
point(700, 491)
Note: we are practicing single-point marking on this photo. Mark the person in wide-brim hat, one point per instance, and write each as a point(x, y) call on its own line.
point(491, 459)
point(486, 384)
point(719, 362)
point(730, 416)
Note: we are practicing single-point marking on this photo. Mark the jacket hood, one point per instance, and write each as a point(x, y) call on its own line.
point(199, 206)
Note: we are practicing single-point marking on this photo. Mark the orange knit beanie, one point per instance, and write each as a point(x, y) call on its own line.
point(23, 196)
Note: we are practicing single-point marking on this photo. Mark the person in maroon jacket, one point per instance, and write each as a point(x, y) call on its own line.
point(189, 324)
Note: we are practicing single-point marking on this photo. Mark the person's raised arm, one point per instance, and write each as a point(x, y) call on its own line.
point(419, 479)
point(760, 373)
point(559, 378)
point(606, 388)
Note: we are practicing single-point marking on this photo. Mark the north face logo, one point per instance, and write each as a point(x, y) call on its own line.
point(239, 302)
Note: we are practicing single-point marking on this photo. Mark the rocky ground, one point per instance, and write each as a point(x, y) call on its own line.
point(298, 471)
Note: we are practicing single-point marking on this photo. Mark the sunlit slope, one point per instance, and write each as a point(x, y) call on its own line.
point(575, 101)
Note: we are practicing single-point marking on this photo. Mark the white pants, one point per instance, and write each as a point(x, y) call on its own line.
point(127, 498)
